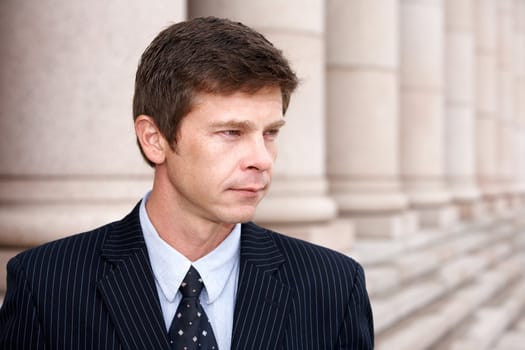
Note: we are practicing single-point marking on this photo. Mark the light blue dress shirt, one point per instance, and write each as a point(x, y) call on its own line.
point(219, 271)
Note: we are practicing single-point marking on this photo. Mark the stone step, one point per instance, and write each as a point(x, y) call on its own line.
point(491, 322)
point(514, 338)
point(378, 251)
point(464, 256)
point(389, 311)
point(418, 328)
point(520, 325)
point(511, 341)
point(468, 235)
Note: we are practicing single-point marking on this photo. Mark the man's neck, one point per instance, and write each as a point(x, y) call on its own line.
point(189, 235)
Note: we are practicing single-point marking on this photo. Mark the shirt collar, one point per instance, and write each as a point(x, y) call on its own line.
point(170, 267)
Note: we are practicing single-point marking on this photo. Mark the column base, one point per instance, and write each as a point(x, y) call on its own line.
point(520, 198)
point(516, 201)
point(391, 225)
point(471, 211)
point(367, 197)
point(500, 206)
point(284, 209)
point(297, 200)
point(38, 210)
point(336, 234)
point(24, 226)
point(442, 217)
point(377, 208)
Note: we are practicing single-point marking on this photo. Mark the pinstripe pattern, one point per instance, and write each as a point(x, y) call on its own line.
point(295, 295)
point(96, 291)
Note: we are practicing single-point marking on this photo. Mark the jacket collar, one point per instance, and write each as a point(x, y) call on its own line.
point(128, 289)
point(263, 300)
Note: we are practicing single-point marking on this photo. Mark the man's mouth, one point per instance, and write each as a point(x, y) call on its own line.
point(249, 190)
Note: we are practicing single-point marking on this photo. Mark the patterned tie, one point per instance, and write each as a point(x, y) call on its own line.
point(190, 328)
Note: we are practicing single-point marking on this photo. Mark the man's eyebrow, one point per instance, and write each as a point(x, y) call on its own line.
point(277, 124)
point(245, 124)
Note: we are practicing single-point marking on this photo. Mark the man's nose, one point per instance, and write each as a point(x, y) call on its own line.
point(259, 156)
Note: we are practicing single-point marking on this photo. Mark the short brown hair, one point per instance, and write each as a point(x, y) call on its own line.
point(205, 55)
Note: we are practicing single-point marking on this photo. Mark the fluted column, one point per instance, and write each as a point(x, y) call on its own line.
point(459, 109)
point(506, 122)
point(362, 104)
point(486, 98)
point(519, 94)
point(422, 114)
point(68, 156)
point(299, 197)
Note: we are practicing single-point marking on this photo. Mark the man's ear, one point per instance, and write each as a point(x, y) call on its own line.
point(150, 139)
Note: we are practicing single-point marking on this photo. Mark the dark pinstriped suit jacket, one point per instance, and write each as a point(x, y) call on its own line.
point(96, 291)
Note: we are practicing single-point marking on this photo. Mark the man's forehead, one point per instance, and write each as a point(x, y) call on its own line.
point(199, 96)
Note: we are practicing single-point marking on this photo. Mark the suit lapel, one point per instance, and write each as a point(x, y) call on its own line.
point(128, 289)
point(262, 299)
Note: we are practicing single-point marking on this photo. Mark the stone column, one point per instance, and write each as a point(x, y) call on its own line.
point(421, 111)
point(519, 93)
point(486, 97)
point(298, 202)
point(68, 157)
point(506, 122)
point(362, 104)
point(459, 109)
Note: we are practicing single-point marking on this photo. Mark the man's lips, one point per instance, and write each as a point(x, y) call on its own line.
point(249, 189)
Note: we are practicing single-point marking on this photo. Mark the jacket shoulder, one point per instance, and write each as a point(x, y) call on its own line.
point(309, 257)
point(61, 252)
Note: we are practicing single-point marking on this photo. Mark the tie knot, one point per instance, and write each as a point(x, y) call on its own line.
point(192, 284)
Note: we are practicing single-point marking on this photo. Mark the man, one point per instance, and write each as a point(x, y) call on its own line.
point(186, 269)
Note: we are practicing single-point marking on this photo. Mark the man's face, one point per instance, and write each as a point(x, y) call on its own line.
point(224, 154)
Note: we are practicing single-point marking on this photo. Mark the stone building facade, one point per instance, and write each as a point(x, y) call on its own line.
point(404, 145)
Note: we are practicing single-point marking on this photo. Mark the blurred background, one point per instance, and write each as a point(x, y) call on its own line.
point(404, 145)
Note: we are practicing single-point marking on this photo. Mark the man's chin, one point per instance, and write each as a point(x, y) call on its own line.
point(241, 215)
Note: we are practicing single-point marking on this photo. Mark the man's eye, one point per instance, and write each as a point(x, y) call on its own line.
point(231, 132)
point(271, 133)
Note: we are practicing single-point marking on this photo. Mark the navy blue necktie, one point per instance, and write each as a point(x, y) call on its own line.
point(190, 328)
